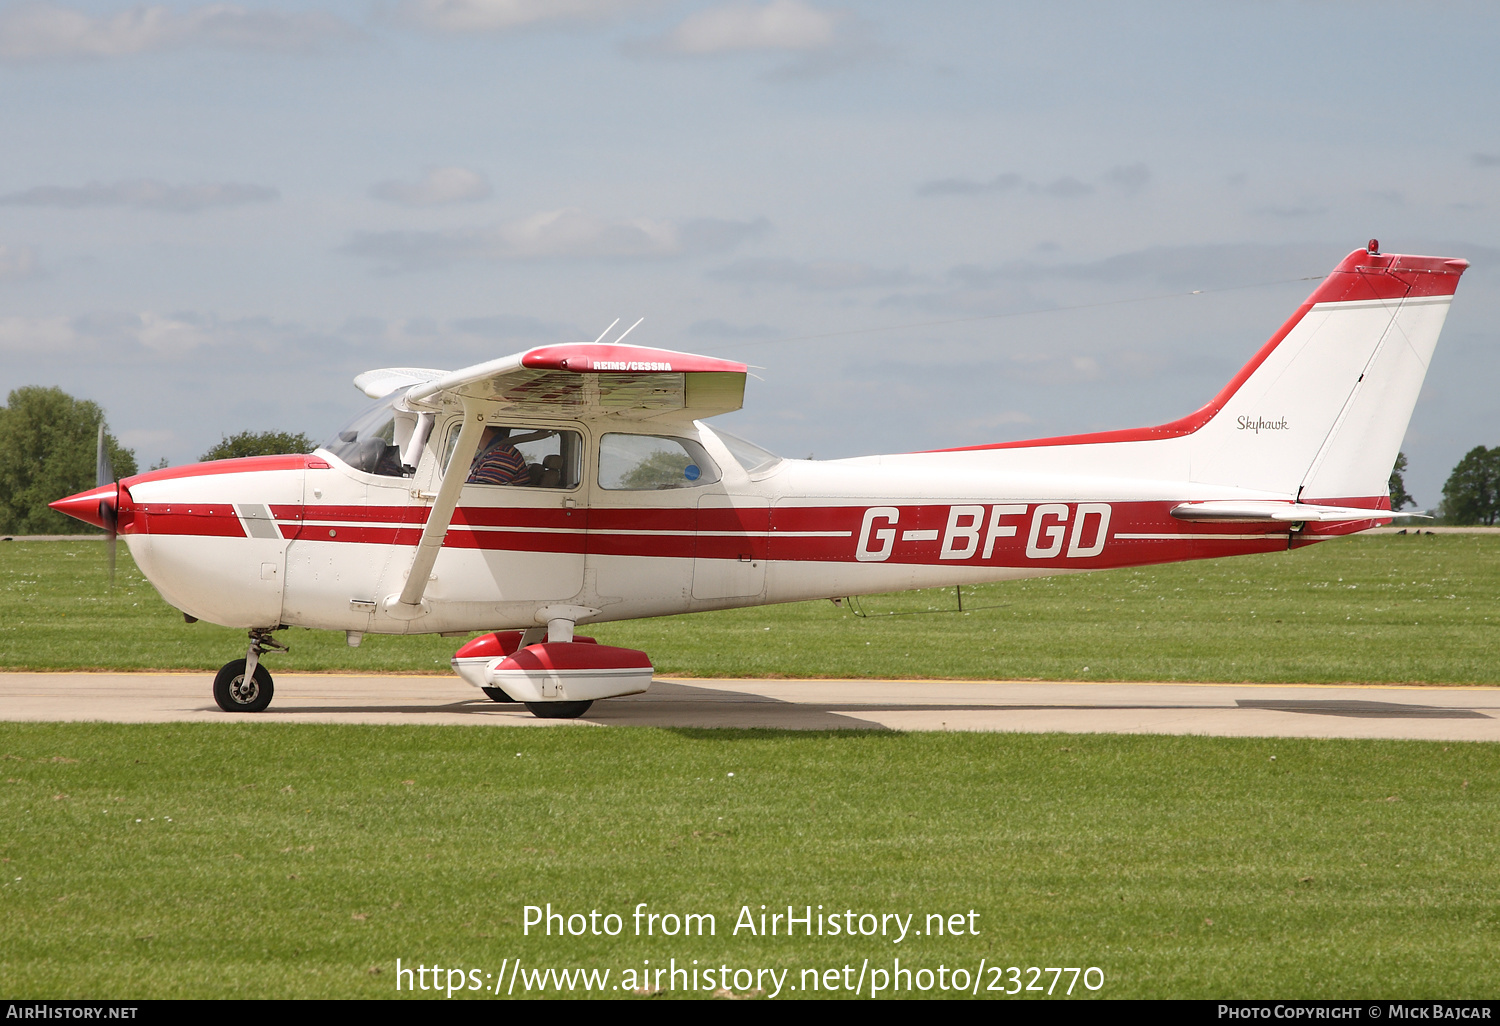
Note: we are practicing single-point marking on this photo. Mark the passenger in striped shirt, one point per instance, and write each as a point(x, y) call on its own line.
point(498, 462)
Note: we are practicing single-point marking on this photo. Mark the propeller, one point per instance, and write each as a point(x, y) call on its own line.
point(104, 474)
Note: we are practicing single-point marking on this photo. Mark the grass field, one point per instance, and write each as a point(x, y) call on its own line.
point(277, 860)
point(183, 860)
point(1381, 609)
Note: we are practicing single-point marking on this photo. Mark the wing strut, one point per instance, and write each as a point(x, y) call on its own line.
point(408, 605)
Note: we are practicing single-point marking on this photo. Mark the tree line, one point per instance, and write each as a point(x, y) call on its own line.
point(48, 443)
point(48, 446)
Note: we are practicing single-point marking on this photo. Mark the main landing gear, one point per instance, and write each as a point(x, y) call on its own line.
point(555, 673)
point(243, 685)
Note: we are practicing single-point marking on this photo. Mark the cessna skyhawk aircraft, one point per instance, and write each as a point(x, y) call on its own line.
point(599, 493)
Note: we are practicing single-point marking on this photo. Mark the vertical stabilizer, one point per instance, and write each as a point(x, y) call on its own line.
point(1321, 410)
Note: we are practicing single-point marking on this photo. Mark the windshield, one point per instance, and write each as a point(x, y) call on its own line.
point(747, 454)
point(368, 442)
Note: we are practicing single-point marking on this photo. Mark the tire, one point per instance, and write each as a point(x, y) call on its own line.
point(232, 694)
point(558, 710)
point(497, 695)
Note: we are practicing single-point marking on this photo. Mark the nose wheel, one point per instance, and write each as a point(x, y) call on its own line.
point(244, 685)
point(238, 691)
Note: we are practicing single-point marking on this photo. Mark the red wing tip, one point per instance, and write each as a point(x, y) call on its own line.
point(584, 357)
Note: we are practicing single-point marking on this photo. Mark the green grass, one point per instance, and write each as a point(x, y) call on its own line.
point(1382, 609)
point(179, 860)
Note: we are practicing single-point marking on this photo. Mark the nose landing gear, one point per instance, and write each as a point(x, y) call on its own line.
point(243, 685)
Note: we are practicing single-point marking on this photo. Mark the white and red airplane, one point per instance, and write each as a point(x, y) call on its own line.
point(623, 503)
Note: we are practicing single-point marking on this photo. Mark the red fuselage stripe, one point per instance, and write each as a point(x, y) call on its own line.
point(1066, 535)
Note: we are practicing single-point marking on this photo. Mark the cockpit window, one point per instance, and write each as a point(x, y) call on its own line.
point(747, 454)
point(652, 463)
point(368, 442)
point(522, 456)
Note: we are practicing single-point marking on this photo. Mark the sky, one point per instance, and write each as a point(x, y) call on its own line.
point(923, 225)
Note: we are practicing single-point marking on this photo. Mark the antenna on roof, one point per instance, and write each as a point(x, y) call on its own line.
point(606, 331)
point(627, 331)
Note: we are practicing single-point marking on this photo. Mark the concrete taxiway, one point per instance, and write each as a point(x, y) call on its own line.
point(1231, 710)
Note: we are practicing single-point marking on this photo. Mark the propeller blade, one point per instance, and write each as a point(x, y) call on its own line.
point(110, 517)
point(104, 471)
point(104, 474)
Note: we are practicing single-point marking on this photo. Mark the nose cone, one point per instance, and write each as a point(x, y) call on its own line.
point(92, 506)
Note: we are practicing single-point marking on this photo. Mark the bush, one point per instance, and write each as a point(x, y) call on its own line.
point(259, 443)
point(48, 444)
point(1472, 494)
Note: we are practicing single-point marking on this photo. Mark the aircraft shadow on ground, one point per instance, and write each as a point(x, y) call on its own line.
point(1364, 709)
point(672, 704)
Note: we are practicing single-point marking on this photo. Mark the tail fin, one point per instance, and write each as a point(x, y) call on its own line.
point(1320, 412)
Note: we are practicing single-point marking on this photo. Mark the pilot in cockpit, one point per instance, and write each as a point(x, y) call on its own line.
point(498, 462)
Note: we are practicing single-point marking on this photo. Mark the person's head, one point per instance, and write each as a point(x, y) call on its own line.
point(493, 434)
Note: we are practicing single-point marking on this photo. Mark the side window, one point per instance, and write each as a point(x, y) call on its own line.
point(522, 457)
point(653, 462)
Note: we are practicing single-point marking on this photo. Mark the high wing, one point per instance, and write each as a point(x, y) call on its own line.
point(578, 381)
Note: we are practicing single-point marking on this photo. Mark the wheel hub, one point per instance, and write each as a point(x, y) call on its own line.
point(244, 691)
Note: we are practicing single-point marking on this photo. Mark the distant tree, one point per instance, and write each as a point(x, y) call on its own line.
point(1472, 494)
point(48, 445)
point(661, 469)
point(258, 443)
point(1400, 498)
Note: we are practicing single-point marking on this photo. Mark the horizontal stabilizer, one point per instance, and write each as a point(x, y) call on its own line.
point(1272, 512)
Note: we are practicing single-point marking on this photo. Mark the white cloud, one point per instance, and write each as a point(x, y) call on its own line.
point(817, 275)
point(37, 31)
point(968, 186)
point(1065, 187)
point(778, 25)
point(1128, 178)
point(141, 438)
point(169, 335)
point(499, 15)
point(144, 193)
point(715, 328)
point(40, 335)
point(438, 186)
point(17, 263)
point(113, 336)
point(552, 234)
